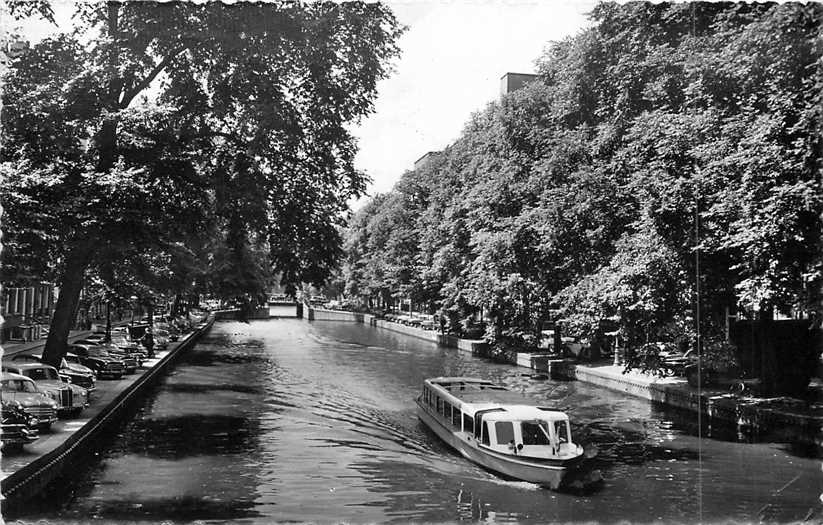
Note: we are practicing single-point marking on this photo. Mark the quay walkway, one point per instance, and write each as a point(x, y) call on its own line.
point(779, 417)
point(25, 474)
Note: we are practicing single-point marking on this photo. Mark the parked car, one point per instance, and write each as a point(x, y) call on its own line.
point(22, 390)
point(172, 332)
point(96, 358)
point(129, 346)
point(131, 359)
point(96, 337)
point(74, 372)
point(161, 338)
point(137, 330)
point(19, 428)
point(71, 399)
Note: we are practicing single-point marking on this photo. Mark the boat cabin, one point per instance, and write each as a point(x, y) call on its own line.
point(498, 420)
point(525, 431)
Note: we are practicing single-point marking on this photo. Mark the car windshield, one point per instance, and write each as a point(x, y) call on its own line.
point(19, 385)
point(42, 374)
point(99, 352)
point(72, 359)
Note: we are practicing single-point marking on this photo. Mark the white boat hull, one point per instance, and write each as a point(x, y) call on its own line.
point(548, 474)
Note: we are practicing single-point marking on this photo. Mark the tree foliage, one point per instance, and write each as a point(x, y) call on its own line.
point(669, 149)
point(156, 124)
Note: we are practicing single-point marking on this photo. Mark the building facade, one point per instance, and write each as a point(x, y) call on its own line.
point(26, 311)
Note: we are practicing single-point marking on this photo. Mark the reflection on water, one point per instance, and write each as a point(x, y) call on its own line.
point(285, 420)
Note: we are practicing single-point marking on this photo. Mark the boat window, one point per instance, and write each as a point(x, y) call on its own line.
point(533, 434)
point(485, 438)
point(561, 431)
point(504, 431)
point(439, 405)
point(468, 423)
point(456, 417)
point(447, 410)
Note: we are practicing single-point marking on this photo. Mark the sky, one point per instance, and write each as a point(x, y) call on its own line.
point(452, 57)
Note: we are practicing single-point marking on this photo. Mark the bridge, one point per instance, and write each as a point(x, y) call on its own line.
point(272, 309)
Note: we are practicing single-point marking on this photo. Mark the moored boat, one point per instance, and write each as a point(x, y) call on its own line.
point(503, 431)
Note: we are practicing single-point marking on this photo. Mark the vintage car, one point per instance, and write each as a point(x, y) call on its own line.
point(161, 338)
point(170, 329)
point(18, 426)
point(131, 357)
point(131, 360)
point(23, 391)
point(71, 399)
point(98, 336)
point(129, 346)
point(98, 359)
point(70, 369)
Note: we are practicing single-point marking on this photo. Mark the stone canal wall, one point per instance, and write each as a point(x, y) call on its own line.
point(29, 481)
point(781, 418)
point(467, 345)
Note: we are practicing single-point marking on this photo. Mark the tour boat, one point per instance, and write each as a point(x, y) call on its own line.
point(503, 431)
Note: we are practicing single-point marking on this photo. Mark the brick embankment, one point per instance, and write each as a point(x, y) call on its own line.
point(26, 474)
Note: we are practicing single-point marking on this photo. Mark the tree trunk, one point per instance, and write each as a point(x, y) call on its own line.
point(769, 364)
point(108, 321)
point(71, 284)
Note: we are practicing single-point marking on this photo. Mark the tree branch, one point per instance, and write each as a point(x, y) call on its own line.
point(143, 84)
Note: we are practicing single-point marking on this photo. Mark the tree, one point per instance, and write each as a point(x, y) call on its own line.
point(176, 116)
point(666, 162)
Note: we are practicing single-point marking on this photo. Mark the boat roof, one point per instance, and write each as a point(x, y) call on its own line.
point(524, 413)
point(473, 390)
point(482, 394)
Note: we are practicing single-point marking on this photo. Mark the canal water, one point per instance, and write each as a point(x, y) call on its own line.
point(286, 420)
